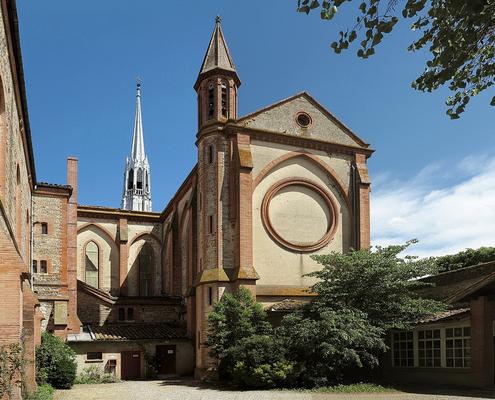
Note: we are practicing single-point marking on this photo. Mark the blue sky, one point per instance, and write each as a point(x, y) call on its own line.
point(81, 60)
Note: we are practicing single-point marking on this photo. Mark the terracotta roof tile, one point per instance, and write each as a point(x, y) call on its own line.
point(446, 315)
point(137, 331)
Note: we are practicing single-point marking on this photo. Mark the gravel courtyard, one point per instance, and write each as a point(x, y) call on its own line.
point(189, 390)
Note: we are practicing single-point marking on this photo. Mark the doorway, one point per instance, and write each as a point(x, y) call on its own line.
point(130, 365)
point(166, 358)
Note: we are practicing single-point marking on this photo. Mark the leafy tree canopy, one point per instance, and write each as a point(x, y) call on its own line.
point(460, 35)
point(325, 345)
point(378, 283)
point(235, 317)
point(465, 258)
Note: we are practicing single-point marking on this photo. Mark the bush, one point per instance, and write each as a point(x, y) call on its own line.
point(95, 374)
point(55, 362)
point(325, 346)
point(260, 363)
point(11, 363)
point(235, 317)
point(44, 392)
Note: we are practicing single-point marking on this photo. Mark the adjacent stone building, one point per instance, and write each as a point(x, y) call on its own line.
point(20, 316)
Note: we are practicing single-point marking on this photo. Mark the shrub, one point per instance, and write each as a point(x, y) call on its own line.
point(44, 392)
point(324, 346)
point(95, 374)
point(260, 363)
point(235, 317)
point(55, 362)
point(11, 363)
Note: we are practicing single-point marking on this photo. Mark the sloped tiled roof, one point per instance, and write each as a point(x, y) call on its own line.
point(455, 286)
point(286, 305)
point(447, 315)
point(138, 331)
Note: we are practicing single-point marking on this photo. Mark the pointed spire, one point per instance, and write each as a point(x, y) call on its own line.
point(217, 56)
point(137, 152)
point(136, 194)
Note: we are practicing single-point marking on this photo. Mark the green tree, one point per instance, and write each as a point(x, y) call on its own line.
point(236, 316)
point(260, 362)
point(55, 362)
point(378, 283)
point(459, 34)
point(324, 345)
point(465, 258)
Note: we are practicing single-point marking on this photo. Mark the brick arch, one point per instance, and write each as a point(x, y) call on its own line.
point(329, 171)
point(155, 244)
point(142, 235)
point(186, 238)
point(104, 236)
point(107, 233)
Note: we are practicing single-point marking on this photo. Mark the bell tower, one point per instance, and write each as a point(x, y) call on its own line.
point(216, 87)
point(136, 193)
point(217, 82)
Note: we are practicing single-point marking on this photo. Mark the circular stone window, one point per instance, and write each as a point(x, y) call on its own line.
point(303, 119)
point(299, 214)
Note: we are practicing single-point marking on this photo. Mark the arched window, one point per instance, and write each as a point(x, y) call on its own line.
point(211, 100)
point(145, 260)
point(224, 100)
point(92, 264)
point(130, 179)
point(139, 181)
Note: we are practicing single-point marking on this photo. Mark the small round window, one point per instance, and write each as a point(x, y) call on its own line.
point(303, 119)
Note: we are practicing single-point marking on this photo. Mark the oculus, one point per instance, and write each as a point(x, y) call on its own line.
point(299, 214)
point(303, 119)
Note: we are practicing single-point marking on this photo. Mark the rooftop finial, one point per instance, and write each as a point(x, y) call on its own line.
point(138, 82)
point(218, 19)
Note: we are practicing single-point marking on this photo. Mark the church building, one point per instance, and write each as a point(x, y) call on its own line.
point(131, 288)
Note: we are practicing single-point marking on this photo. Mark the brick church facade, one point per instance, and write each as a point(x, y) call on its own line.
point(269, 189)
point(130, 289)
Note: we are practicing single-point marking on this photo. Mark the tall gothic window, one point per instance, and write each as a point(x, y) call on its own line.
point(211, 100)
point(91, 264)
point(139, 181)
point(145, 259)
point(130, 179)
point(224, 99)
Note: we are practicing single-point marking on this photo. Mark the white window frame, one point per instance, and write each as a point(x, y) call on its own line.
point(443, 344)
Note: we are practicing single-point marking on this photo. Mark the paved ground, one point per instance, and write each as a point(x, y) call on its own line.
point(189, 390)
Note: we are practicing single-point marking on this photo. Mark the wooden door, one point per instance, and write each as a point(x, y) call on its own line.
point(166, 357)
point(130, 367)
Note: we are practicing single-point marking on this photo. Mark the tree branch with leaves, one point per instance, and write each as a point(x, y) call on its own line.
point(459, 34)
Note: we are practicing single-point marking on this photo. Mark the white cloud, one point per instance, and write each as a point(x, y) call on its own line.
point(444, 218)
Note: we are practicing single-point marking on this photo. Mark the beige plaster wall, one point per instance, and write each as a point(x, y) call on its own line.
point(112, 351)
point(275, 264)
point(104, 232)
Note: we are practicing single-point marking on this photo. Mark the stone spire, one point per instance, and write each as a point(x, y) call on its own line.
point(137, 138)
point(136, 193)
point(217, 58)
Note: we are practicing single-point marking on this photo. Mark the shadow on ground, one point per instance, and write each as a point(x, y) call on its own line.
point(488, 393)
